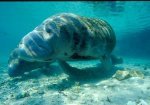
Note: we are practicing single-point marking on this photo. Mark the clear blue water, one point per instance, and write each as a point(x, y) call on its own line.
point(129, 19)
point(131, 23)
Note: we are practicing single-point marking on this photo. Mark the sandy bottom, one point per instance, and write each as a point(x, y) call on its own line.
point(54, 87)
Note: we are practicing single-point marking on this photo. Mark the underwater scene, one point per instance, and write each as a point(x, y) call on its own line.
point(75, 53)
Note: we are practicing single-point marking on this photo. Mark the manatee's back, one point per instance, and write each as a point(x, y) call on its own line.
point(86, 34)
point(101, 31)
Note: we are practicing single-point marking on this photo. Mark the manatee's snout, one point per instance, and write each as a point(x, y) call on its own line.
point(14, 67)
point(18, 66)
point(34, 47)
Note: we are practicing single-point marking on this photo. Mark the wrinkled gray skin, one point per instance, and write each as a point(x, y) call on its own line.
point(64, 37)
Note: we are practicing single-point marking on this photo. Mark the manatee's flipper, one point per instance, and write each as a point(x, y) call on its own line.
point(106, 63)
point(79, 74)
point(68, 69)
point(116, 60)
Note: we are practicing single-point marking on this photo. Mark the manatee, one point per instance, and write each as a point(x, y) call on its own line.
point(64, 37)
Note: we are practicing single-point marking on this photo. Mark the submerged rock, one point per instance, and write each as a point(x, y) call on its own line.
point(136, 73)
point(121, 75)
point(125, 74)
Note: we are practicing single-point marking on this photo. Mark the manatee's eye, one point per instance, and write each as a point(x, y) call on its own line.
point(50, 27)
point(47, 28)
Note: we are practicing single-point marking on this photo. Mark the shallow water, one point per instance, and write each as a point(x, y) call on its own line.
point(131, 23)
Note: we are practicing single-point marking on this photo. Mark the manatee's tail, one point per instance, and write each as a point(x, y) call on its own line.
point(116, 60)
